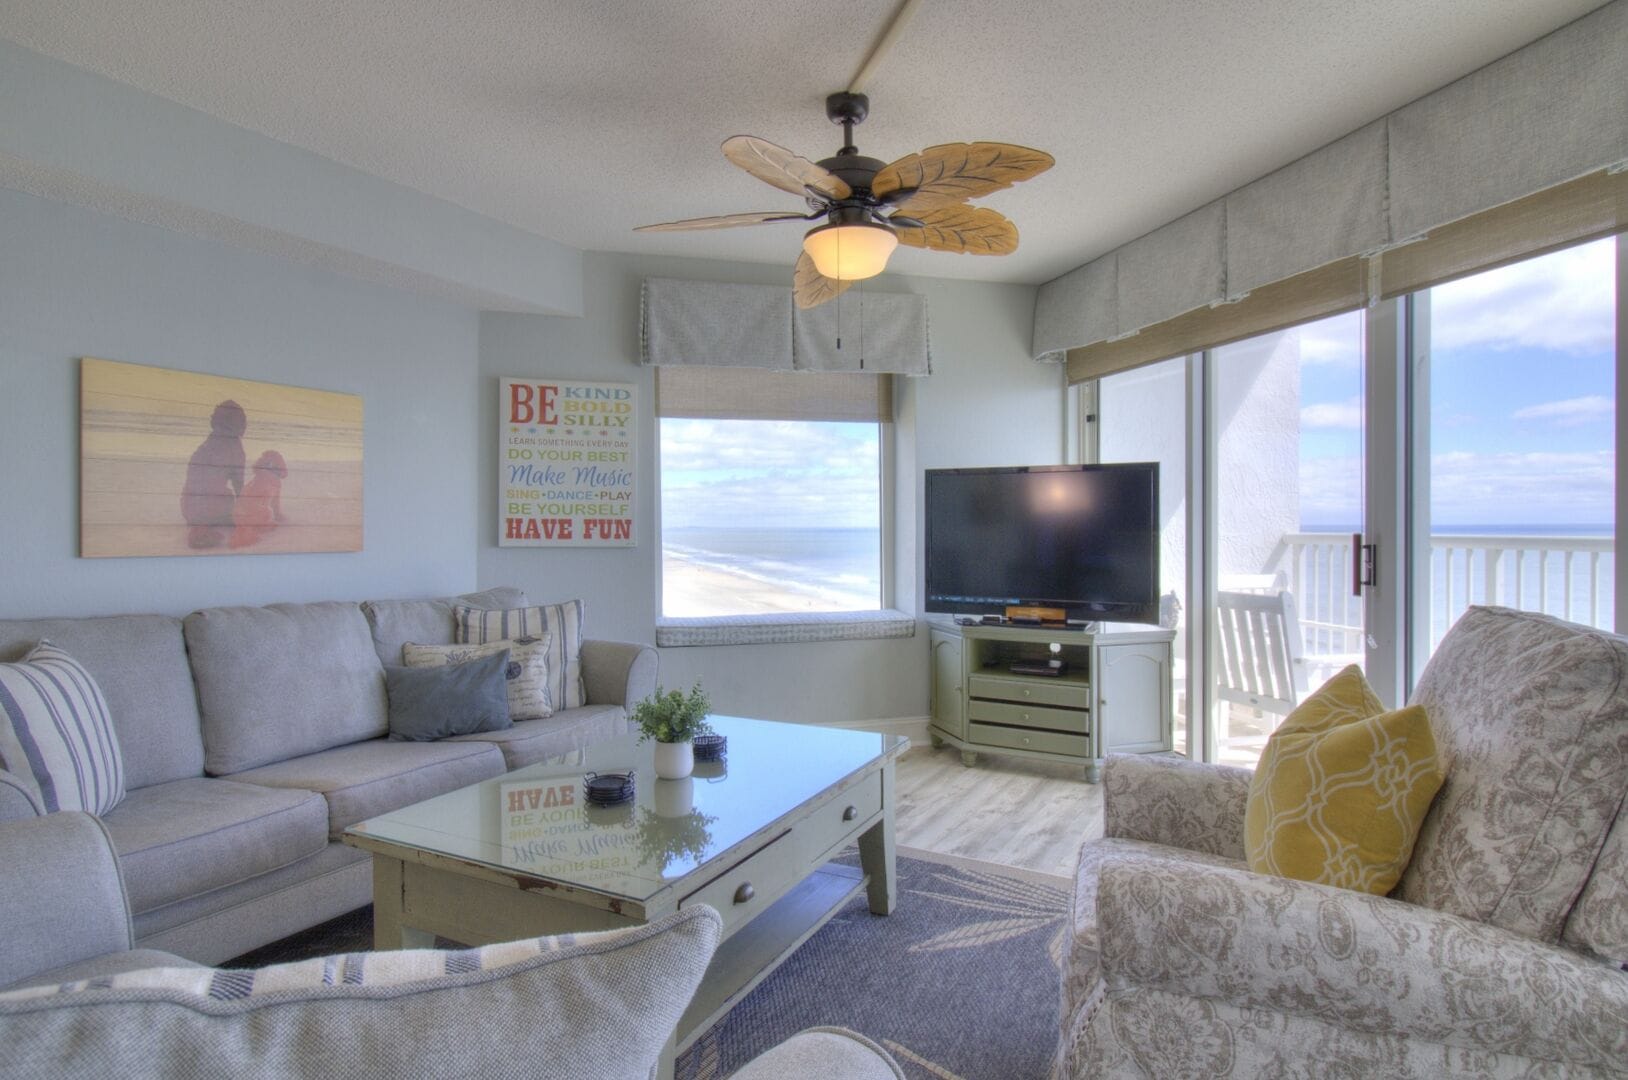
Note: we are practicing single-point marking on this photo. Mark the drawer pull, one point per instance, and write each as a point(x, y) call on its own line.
point(745, 892)
point(1025, 716)
point(1026, 691)
point(850, 813)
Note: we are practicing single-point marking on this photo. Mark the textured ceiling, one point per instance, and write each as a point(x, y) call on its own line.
point(579, 119)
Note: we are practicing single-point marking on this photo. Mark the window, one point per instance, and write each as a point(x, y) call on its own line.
point(770, 516)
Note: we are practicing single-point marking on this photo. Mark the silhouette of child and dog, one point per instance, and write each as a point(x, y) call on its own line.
point(218, 507)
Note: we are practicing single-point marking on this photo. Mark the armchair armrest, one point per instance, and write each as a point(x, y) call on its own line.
point(1176, 802)
point(19, 799)
point(618, 672)
point(1366, 963)
point(62, 897)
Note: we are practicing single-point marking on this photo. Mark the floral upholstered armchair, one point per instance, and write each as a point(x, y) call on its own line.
point(1501, 953)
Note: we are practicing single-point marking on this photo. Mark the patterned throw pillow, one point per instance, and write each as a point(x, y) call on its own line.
point(527, 675)
point(1341, 789)
point(562, 623)
point(56, 731)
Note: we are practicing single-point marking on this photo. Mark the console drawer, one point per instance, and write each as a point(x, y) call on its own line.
point(1051, 742)
point(1029, 716)
point(1034, 690)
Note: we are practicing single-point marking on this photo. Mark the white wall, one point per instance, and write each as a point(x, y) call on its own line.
point(77, 283)
point(986, 403)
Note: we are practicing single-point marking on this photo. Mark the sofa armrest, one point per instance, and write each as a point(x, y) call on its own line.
point(823, 1051)
point(1176, 802)
point(62, 898)
point(1366, 963)
point(19, 799)
point(618, 672)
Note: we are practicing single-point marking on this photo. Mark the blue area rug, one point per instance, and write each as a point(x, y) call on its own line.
point(961, 981)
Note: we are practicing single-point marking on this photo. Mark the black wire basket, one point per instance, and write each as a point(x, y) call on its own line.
point(710, 747)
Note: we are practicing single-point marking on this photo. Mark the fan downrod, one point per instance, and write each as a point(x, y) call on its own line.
point(848, 110)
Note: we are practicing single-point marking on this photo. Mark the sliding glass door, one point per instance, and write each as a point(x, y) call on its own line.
point(1286, 494)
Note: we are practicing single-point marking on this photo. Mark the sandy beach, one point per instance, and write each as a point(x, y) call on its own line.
point(690, 590)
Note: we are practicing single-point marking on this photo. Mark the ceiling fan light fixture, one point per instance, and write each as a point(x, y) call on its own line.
point(850, 251)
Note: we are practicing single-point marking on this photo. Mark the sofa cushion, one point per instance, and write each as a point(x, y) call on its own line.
point(583, 1005)
point(54, 729)
point(280, 681)
point(430, 703)
point(1341, 789)
point(429, 622)
point(560, 623)
point(140, 663)
point(1530, 716)
point(531, 741)
point(190, 836)
point(367, 779)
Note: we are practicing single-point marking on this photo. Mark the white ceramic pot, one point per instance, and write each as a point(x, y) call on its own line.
point(675, 760)
point(674, 798)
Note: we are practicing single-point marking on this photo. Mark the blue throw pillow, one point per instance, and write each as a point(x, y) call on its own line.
point(429, 703)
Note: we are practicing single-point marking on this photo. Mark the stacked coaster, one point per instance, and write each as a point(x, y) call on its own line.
point(710, 747)
point(607, 789)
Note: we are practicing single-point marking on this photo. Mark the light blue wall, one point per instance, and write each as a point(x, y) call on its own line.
point(986, 403)
point(76, 283)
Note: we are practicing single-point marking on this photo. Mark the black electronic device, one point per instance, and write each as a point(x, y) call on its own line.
point(1053, 668)
point(1082, 538)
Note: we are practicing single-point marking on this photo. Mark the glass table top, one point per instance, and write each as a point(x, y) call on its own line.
point(535, 820)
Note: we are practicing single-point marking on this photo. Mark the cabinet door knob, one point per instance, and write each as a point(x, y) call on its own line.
point(850, 813)
point(745, 892)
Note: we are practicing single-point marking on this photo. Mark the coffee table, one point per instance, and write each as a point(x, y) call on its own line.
point(524, 855)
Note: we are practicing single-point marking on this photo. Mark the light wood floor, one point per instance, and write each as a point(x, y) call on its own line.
point(1033, 814)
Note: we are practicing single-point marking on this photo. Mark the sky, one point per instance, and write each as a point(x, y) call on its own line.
point(1521, 398)
point(792, 474)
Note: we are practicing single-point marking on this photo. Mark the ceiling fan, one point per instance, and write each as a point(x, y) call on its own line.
point(870, 208)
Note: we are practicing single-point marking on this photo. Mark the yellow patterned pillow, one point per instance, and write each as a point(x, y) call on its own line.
point(1342, 789)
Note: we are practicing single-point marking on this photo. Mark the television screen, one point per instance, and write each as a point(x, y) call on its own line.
point(1080, 537)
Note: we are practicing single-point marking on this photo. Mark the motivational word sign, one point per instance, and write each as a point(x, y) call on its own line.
point(566, 469)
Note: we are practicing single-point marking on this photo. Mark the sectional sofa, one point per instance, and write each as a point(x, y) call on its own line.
point(253, 736)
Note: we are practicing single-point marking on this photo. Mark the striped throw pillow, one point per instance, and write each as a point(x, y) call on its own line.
point(562, 623)
point(56, 731)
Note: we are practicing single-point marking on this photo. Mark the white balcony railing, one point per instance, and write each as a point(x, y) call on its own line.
point(1571, 577)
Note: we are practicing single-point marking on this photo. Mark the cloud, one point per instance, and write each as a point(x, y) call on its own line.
point(1572, 412)
point(1334, 341)
point(1467, 488)
point(1345, 415)
point(1565, 302)
point(769, 474)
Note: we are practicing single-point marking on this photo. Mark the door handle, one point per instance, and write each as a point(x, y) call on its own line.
point(1364, 564)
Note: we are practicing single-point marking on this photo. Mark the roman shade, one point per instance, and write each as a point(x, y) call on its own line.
point(1522, 156)
point(721, 393)
point(726, 324)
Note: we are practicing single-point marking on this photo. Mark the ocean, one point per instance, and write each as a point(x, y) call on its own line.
point(830, 569)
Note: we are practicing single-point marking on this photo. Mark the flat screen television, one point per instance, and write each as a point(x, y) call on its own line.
point(1084, 538)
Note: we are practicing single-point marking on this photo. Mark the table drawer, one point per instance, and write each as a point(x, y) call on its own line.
point(1051, 742)
point(746, 889)
point(1031, 691)
point(1032, 716)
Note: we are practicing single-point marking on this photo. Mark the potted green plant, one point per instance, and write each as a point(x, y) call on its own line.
point(673, 719)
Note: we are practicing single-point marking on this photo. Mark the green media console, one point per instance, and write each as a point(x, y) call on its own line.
point(1113, 695)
